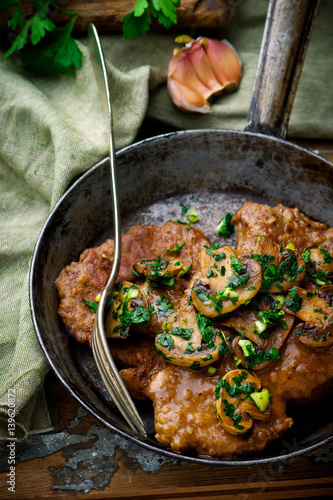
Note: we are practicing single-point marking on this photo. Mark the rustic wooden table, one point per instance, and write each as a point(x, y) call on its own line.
point(81, 459)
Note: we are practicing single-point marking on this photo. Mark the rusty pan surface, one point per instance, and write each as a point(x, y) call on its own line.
point(226, 168)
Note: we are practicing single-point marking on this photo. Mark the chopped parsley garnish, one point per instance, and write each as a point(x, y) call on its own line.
point(225, 226)
point(195, 365)
point(158, 267)
point(184, 270)
point(230, 411)
point(327, 258)
point(184, 333)
point(273, 274)
point(210, 273)
point(184, 208)
point(189, 349)
point(319, 278)
point(164, 307)
point(236, 265)
point(177, 248)
point(235, 389)
point(222, 349)
point(216, 256)
point(260, 356)
point(294, 303)
point(139, 315)
point(202, 295)
point(92, 305)
point(237, 281)
point(205, 328)
point(135, 273)
point(272, 317)
point(166, 341)
point(195, 197)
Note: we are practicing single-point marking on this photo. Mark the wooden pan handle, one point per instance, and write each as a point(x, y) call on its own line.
point(286, 37)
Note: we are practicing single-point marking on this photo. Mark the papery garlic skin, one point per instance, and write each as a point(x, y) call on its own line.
point(204, 68)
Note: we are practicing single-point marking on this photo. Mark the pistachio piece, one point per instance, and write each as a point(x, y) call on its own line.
point(129, 309)
point(225, 282)
point(235, 411)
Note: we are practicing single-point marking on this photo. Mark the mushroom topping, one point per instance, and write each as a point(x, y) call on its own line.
point(160, 271)
point(240, 401)
point(319, 265)
point(261, 335)
point(315, 312)
point(129, 309)
point(326, 293)
point(190, 340)
point(160, 304)
point(281, 271)
point(224, 282)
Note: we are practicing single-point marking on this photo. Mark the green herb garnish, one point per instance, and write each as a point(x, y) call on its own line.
point(164, 307)
point(137, 22)
point(43, 47)
point(225, 226)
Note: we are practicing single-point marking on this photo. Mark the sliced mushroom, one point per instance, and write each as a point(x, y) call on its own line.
point(308, 307)
point(160, 303)
point(235, 411)
point(247, 324)
point(129, 308)
point(159, 270)
point(190, 340)
point(319, 259)
point(326, 293)
point(225, 282)
point(316, 313)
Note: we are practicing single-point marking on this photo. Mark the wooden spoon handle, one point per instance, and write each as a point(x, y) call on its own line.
point(286, 37)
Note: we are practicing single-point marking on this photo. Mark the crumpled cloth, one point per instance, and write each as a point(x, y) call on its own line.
point(50, 132)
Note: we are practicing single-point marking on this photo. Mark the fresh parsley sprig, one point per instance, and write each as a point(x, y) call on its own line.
point(137, 22)
point(44, 48)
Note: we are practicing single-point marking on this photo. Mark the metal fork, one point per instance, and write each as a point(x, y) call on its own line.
point(100, 348)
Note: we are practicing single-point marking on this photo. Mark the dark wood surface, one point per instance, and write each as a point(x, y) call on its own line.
point(107, 14)
point(81, 459)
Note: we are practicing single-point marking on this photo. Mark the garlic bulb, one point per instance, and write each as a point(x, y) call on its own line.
point(203, 69)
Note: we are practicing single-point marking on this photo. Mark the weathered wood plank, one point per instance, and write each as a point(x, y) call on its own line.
point(107, 14)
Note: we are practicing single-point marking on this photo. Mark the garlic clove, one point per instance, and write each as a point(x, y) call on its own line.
point(186, 99)
point(224, 61)
point(202, 69)
point(202, 66)
point(181, 69)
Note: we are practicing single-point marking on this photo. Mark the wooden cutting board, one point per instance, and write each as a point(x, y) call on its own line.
point(107, 14)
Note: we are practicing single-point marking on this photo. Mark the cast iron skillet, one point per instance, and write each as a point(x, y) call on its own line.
point(227, 168)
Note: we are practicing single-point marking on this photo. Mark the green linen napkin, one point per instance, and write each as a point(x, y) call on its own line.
point(50, 132)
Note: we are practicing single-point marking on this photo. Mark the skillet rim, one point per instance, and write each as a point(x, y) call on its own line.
point(158, 448)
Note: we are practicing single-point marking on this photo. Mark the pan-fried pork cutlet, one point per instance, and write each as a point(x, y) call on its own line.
point(260, 228)
point(87, 278)
point(220, 339)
